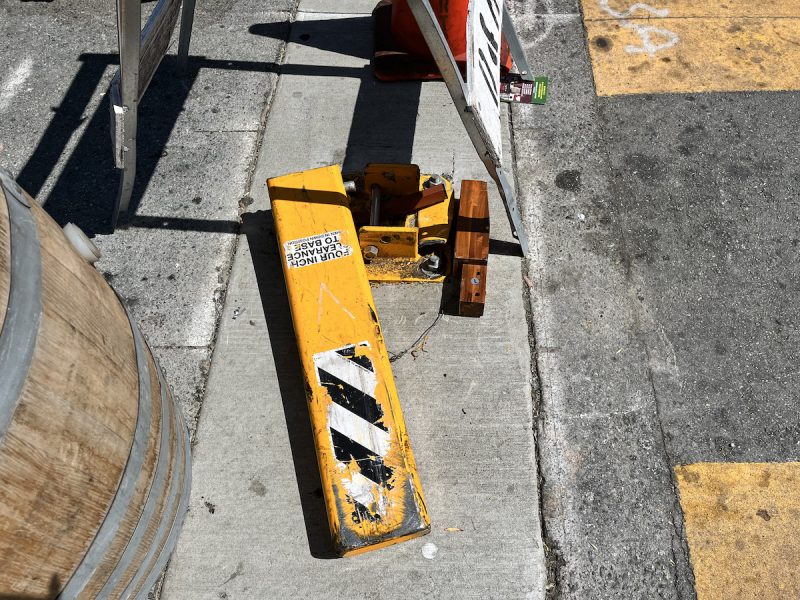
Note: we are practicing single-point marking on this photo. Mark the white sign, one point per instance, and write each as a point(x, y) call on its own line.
point(315, 249)
point(483, 66)
point(477, 100)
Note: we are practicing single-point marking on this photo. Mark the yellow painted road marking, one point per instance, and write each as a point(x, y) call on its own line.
point(742, 522)
point(693, 46)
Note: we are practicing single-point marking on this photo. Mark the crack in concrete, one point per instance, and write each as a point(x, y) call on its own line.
point(679, 537)
point(553, 559)
point(552, 556)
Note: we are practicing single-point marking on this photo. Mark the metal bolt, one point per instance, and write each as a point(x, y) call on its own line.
point(432, 180)
point(350, 187)
point(370, 252)
point(474, 281)
point(431, 265)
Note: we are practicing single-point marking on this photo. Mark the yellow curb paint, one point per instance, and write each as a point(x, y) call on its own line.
point(741, 524)
point(682, 46)
point(594, 10)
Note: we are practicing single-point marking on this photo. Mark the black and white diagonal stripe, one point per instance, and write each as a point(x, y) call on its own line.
point(355, 420)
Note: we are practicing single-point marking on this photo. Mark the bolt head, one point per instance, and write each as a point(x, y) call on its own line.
point(432, 180)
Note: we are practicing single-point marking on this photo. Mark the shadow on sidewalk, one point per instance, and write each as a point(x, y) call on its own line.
point(259, 230)
point(84, 192)
point(86, 189)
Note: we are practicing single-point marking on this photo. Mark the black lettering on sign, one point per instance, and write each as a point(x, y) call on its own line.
point(489, 36)
point(493, 9)
point(486, 77)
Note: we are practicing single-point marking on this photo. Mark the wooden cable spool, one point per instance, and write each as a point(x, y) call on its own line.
point(94, 454)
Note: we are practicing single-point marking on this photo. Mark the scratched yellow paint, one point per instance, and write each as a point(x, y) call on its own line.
point(742, 522)
point(332, 310)
point(665, 46)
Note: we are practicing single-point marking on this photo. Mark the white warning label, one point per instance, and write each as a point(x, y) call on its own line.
point(315, 249)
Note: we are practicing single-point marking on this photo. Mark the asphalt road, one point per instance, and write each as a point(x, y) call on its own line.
point(665, 284)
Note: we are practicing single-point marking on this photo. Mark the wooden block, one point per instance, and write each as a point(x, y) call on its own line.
point(472, 225)
point(471, 252)
point(473, 291)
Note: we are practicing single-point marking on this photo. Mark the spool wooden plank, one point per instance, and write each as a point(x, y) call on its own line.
point(472, 225)
point(472, 297)
point(75, 517)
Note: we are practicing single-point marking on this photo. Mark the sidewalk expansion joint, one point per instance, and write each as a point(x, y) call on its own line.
point(182, 346)
point(226, 130)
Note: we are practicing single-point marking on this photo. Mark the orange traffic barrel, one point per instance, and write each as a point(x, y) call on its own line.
point(401, 52)
point(452, 16)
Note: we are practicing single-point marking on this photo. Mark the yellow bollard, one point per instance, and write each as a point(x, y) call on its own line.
point(372, 490)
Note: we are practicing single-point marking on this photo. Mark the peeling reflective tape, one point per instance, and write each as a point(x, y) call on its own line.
point(347, 370)
point(122, 499)
point(357, 429)
point(359, 437)
point(360, 488)
point(370, 465)
point(20, 327)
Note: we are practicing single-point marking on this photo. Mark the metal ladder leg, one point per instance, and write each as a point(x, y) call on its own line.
point(517, 53)
point(129, 22)
point(187, 20)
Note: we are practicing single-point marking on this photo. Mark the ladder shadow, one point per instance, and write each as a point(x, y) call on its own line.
point(85, 190)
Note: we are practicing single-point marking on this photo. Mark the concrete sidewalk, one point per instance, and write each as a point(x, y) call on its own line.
point(197, 143)
point(256, 527)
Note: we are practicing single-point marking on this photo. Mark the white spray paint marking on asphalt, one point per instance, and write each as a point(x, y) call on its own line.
point(645, 32)
point(12, 82)
point(547, 18)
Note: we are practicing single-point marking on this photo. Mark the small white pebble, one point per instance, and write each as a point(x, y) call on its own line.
point(581, 217)
point(429, 550)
